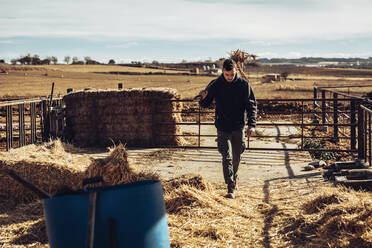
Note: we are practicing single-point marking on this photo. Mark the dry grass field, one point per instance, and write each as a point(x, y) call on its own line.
point(30, 81)
point(280, 212)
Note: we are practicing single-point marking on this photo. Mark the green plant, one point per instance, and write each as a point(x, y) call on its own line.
point(317, 144)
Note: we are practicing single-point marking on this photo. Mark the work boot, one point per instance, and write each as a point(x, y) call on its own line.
point(231, 191)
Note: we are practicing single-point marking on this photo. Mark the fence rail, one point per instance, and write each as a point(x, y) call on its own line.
point(348, 117)
point(25, 121)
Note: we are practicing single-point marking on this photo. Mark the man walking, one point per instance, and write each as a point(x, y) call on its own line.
point(234, 100)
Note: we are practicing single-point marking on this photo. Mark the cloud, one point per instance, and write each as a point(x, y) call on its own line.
point(265, 21)
point(124, 45)
point(6, 41)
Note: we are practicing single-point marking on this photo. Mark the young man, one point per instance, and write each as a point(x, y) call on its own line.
point(234, 100)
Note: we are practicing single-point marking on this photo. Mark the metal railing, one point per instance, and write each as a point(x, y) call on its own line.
point(364, 134)
point(24, 122)
point(305, 121)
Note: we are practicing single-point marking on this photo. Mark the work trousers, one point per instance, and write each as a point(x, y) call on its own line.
point(231, 145)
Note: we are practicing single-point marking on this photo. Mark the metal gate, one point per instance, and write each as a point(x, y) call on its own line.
point(24, 122)
point(337, 119)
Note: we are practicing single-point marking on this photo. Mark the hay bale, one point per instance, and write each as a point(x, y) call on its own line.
point(131, 116)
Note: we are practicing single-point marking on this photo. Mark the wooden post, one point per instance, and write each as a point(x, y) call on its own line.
point(335, 117)
point(360, 134)
point(21, 125)
point(324, 120)
point(315, 97)
point(33, 122)
point(199, 126)
point(353, 122)
point(9, 127)
point(46, 127)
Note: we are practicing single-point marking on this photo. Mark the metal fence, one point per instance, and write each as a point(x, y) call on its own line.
point(330, 115)
point(364, 134)
point(24, 122)
point(302, 114)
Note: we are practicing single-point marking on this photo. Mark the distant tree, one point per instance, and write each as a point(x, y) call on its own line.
point(111, 62)
point(87, 59)
point(155, 62)
point(13, 61)
point(90, 61)
point(46, 61)
point(2, 61)
point(35, 60)
point(75, 59)
point(67, 59)
point(184, 61)
point(54, 60)
point(25, 60)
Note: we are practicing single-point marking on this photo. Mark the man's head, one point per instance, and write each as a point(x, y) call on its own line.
point(229, 70)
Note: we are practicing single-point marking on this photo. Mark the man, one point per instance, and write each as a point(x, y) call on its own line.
point(234, 98)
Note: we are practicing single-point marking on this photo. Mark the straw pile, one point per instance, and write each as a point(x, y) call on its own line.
point(200, 216)
point(131, 116)
point(115, 168)
point(336, 217)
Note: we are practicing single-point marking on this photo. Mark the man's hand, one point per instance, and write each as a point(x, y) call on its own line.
point(250, 131)
point(203, 94)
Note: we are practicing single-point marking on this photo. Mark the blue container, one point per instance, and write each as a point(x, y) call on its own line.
point(137, 209)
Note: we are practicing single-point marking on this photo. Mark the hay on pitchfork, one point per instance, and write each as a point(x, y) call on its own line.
point(53, 167)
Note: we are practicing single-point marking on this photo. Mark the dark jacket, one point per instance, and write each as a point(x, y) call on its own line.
point(233, 101)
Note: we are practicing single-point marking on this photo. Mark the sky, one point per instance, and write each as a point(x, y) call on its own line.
point(191, 30)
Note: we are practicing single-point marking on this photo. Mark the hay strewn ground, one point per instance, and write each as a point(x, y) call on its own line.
point(283, 212)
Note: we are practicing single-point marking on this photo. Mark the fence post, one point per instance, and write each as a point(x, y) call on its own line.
point(324, 120)
point(33, 122)
point(46, 128)
point(352, 122)
point(21, 125)
point(9, 127)
point(315, 97)
point(361, 152)
point(199, 119)
point(335, 117)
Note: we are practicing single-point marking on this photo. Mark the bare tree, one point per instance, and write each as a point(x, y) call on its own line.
point(54, 60)
point(67, 59)
point(75, 59)
point(87, 59)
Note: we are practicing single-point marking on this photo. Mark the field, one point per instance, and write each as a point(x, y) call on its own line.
point(30, 81)
point(278, 204)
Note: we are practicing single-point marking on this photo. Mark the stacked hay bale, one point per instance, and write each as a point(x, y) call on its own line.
point(132, 116)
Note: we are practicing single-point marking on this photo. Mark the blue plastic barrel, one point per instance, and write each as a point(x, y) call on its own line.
point(136, 212)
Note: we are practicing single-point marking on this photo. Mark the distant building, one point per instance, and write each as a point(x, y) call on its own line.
point(272, 77)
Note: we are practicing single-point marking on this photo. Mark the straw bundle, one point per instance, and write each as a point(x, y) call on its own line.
point(131, 116)
point(115, 168)
point(336, 217)
point(240, 57)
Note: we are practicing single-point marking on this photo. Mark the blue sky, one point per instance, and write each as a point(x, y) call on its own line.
point(173, 30)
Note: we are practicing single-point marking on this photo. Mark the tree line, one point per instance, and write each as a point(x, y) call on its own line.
point(36, 60)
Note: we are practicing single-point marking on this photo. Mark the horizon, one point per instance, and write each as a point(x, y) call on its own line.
point(191, 30)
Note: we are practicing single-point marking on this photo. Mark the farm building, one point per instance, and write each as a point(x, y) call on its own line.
point(272, 77)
